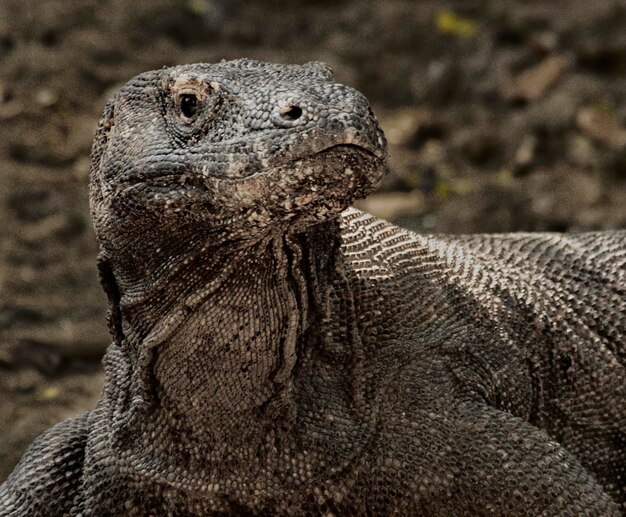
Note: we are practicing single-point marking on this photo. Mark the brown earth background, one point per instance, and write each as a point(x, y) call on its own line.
point(501, 116)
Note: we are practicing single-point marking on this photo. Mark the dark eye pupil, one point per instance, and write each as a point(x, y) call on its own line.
point(188, 105)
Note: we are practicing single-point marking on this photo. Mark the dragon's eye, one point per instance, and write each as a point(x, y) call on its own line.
point(188, 105)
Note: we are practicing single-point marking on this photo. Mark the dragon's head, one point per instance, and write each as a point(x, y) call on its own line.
point(237, 149)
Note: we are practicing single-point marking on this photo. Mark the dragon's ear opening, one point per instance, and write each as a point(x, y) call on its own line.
point(97, 152)
point(102, 133)
point(109, 284)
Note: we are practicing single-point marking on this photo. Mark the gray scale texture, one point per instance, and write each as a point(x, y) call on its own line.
point(278, 353)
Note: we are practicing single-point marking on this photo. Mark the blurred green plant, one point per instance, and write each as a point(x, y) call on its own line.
point(199, 7)
point(449, 22)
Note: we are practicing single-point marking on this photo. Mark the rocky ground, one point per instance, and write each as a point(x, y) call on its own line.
point(501, 116)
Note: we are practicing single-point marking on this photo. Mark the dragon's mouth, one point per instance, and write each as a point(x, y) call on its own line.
point(375, 153)
point(162, 175)
point(286, 196)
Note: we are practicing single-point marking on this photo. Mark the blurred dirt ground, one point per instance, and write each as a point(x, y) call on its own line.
point(501, 116)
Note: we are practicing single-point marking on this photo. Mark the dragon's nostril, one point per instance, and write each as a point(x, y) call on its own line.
point(291, 112)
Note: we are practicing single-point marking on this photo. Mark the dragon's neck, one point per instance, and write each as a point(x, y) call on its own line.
point(213, 346)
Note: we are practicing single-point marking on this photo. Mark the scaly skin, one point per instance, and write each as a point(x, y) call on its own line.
point(277, 353)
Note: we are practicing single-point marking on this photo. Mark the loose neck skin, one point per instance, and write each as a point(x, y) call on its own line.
point(215, 344)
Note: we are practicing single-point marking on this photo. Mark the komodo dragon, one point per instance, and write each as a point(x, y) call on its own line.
point(278, 353)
